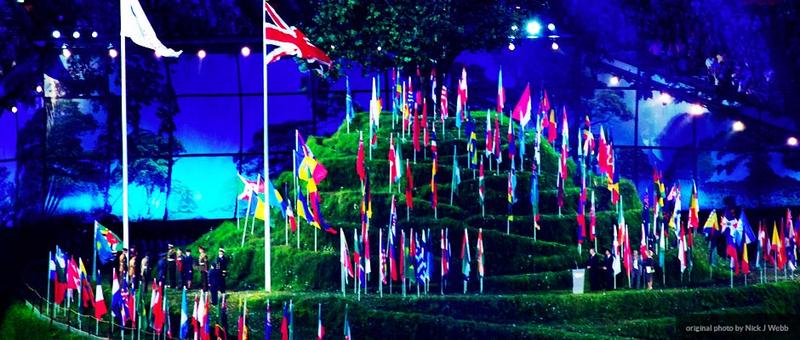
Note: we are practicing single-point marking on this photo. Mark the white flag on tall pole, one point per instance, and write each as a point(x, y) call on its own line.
point(136, 26)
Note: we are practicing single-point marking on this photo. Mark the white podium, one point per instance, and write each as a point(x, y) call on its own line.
point(578, 278)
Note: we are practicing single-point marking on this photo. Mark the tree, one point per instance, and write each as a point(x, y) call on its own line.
point(607, 105)
point(379, 35)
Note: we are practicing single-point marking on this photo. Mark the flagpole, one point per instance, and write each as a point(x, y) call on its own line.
point(452, 185)
point(258, 183)
point(286, 218)
point(94, 256)
point(391, 166)
point(267, 241)
point(47, 297)
point(380, 262)
point(124, 121)
point(296, 189)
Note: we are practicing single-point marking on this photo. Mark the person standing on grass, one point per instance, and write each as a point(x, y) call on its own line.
point(188, 268)
point(649, 268)
point(609, 268)
point(202, 266)
point(171, 266)
point(636, 270)
point(595, 268)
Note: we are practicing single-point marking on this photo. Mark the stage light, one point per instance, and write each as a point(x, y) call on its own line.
point(201, 54)
point(613, 81)
point(533, 27)
point(665, 98)
point(554, 46)
point(112, 53)
point(94, 34)
point(551, 26)
point(514, 27)
point(56, 34)
point(511, 46)
point(245, 51)
point(13, 109)
point(380, 48)
point(76, 34)
point(791, 141)
point(66, 53)
point(738, 126)
point(697, 110)
point(39, 89)
point(333, 47)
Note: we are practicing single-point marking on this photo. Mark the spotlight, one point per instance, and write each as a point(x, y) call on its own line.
point(245, 51)
point(665, 98)
point(738, 126)
point(66, 53)
point(696, 110)
point(14, 110)
point(613, 81)
point(112, 53)
point(201, 54)
point(333, 47)
point(380, 48)
point(76, 34)
point(533, 27)
point(94, 34)
point(551, 26)
point(39, 89)
point(514, 27)
point(56, 34)
point(511, 46)
point(791, 141)
point(554, 46)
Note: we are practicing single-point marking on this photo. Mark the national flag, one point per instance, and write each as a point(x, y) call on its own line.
point(544, 105)
point(243, 331)
point(73, 275)
point(512, 147)
point(409, 187)
point(512, 188)
point(392, 240)
point(320, 328)
point(472, 143)
point(564, 144)
point(498, 155)
point(87, 296)
point(480, 250)
point(552, 127)
point(116, 297)
point(489, 137)
point(745, 261)
point(309, 168)
point(501, 92)
point(461, 101)
point(319, 221)
point(694, 209)
point(731, 243)
point(106, 243)
point(99, 301)
point(134, 25)
point(747, 231)
point(285, 324)
point(290, 41)
point(711, 227)
point(392, 161)
point(777, 246)
point(416, 131)
point(434, 146)
point(682, 248)
point(268, 323)
point(247, 188)
point(402, 257)
point(456, 178)
point(481, 188)
point(465, 258)
point(184, 315)
point(588, 138)
point(359, 265)
point(602, 152)
point(445, 258)
point(643, 243)
point(276, 200)
point(360, 158)
point(434, 191)
point(443, 102)
point(762, 238)
point(349, 112)
point(592, 221)
point(522, 112)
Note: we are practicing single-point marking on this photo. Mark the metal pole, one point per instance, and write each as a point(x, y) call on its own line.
point(124, 122)
point(267, 241)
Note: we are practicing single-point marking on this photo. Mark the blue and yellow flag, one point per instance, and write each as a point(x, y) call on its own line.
point(106, 243)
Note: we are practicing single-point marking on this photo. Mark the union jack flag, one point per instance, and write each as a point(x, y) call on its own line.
point(290, 41)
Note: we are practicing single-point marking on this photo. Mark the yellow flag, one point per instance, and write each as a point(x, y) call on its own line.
point(260, 209)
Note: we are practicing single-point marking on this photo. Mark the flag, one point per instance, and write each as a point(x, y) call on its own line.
point(106, 243)
point(360, 158)
point(99, 302)
point(498, 155)
point(348, 102)
point(344, 257)
point(512, 148)
point(456, 179)
point(443, 102)
point(268, 323)
point(472, 143)
point(285, 324)
point(434, 192)
point(402, 257)
point(73, 275)
point(522, 112)
point(247, 188)
point(552, 127)
point(409, 187)
point(291, 320)
point(489, 137)
point(260, 210)
point(592, 221)
point(747, 231)
point(276, 199)
point(116, 297)
point(347, 335)
point(445, 246)
point(777, 245)
point(382, 272)
point(392, 161)
point(602, 152)
point(479, 249)
point(711, 227)
point(481, 188)
point(465, 258)
point(184, 315)
point(461, 100)
point(682, 248)
point(320, 328)
point(290, 41)
point(309, 168)
point(416, 130)
point(501, 92)
point(694, 209)
point(392, 240)
point(731, 243)
point(87, 296)
point(643, 244)
point(512, 187)
point(243, 323)
point(136, 26)
point(318, 219)
point(745, 261)
point(374, 115)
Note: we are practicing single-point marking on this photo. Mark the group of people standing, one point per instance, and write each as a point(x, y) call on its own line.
point(602, 276)
point(175, 269)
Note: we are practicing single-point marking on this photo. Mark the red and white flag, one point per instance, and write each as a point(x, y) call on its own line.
point(290, 41)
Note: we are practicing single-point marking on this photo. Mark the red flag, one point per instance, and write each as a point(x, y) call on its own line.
point(360, 158)
point(544, 106)
point(290, 41)
point(415, 130)
point(501, 92)
point(602, 152)
point(425, 114)
point(392, 160)
point(409, 187)
point(552, 127)
point(73, 277)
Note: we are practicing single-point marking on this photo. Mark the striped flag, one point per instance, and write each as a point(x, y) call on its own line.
point(465, 258)
point(290, 41)
point(479, 249)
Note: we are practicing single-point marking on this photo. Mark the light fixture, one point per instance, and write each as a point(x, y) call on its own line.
point(613, 81)
point(665, 98)
point(738, 126)
point(380, 48)
point(245, 51)
point(201, 54)
point(94, 34)
point(511, 46)
point(13, 109)
point(533, 27)
point(514, 27)
point(76, 34)
point(696, 110)
point(333, 47)
point(56, 34)
point(791, 141)
point(551, 26)
point(554, 46)
point(112, 53)
point(39, 89)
